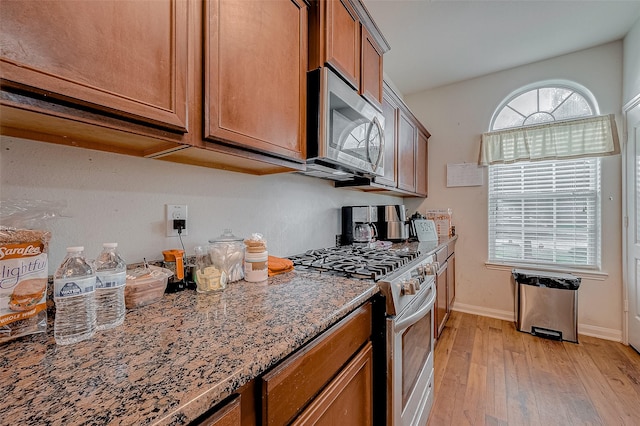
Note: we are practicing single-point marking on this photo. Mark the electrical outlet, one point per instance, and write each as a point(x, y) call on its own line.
point(176, 211)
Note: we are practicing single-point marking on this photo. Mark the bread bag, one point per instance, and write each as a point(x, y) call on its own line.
point(23, 282)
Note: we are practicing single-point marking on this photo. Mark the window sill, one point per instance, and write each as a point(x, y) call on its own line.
point(582, 273)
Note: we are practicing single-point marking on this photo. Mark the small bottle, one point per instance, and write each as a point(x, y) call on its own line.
point(74, 295)
point(111, 277)
point(256, 259)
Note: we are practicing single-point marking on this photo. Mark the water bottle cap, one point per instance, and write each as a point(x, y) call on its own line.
point(75, 249)
point(110, 245)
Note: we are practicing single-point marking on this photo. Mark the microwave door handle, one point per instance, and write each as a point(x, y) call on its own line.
point(416, 316)
point(381, 156)
point(376, 123)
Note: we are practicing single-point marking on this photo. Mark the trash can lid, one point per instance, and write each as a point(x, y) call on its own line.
point(546, 279)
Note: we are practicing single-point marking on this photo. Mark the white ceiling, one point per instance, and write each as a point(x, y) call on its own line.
point(438, 42)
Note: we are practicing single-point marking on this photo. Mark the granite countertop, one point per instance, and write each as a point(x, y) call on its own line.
point(172, 361)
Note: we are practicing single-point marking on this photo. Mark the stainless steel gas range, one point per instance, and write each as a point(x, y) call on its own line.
point(406, 278)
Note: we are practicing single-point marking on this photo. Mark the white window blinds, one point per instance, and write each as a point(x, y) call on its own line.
point(593, 136)
point(545, 213)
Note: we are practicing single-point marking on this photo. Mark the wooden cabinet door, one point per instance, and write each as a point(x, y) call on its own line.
point(390, 113)
point(406, 153)
point(348, 399)
point(255, 64)
point(342, 39)
point(228, 415)
point(293, 384)
point(371, 69)
point(451, 281)
point(441, 300)
point(422, 164)
point(128, 59)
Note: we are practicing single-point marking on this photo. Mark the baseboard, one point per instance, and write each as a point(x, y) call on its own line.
point(600, 332)
point(587, 330)
point(485, 312)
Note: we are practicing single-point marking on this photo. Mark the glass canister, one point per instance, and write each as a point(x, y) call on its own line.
point(256, 259)
point(209, 275)
point(228, 251)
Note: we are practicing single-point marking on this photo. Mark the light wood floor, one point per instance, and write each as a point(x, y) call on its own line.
point(488, 373)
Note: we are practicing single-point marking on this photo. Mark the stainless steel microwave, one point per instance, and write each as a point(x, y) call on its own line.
point(345, 132)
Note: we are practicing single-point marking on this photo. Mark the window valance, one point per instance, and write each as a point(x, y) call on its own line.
point(585, 137)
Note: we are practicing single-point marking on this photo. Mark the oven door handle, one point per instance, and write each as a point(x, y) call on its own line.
point(417, 315)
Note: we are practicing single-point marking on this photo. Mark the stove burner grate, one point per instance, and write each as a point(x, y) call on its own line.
point(354, 261)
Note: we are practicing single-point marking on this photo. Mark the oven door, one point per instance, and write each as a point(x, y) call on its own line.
point(410, 360)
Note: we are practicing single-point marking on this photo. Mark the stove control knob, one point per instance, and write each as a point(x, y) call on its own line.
point(422, 270)
point(417, 284)
point(407, 287)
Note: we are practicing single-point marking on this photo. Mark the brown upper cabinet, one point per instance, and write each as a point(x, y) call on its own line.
point(407, 132)
point(217, 83)
point(129, 61)
point(406, 166)
point(422, 163)
point(255, 70)
point(371, 68)
point(390, 108)
point(343, 36)
point(334, 38)
point(413, 166)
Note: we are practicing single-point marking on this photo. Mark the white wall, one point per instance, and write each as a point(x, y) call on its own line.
point(456, 115)
point(112, 197)
point(631, 70)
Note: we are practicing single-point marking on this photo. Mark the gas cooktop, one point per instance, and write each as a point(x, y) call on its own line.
point(355, 261)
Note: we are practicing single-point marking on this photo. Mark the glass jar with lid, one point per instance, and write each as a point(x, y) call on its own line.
point(228, 251)
point(209, 275)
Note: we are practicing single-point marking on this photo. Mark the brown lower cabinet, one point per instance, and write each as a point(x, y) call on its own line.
point(348, 399)
point(294, 384)
point(451, 280)
point(442, 312)
point(445, 286)
point(328, 381)
point(227, 415)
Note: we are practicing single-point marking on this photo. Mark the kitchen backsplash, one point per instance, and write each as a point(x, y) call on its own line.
point(117, 198)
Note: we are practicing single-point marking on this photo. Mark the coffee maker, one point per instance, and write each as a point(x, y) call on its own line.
point(359, 225)
point(392, 223)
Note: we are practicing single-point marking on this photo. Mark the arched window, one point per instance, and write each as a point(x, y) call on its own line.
point(544, 213)
point(543, 103)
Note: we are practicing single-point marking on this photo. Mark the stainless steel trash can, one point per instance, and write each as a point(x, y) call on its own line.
point(547, 304)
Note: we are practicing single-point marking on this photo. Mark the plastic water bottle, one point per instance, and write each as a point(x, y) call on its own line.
point(74, 295)
point(111, 277)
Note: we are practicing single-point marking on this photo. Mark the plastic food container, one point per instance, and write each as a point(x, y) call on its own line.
point(145, 286)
